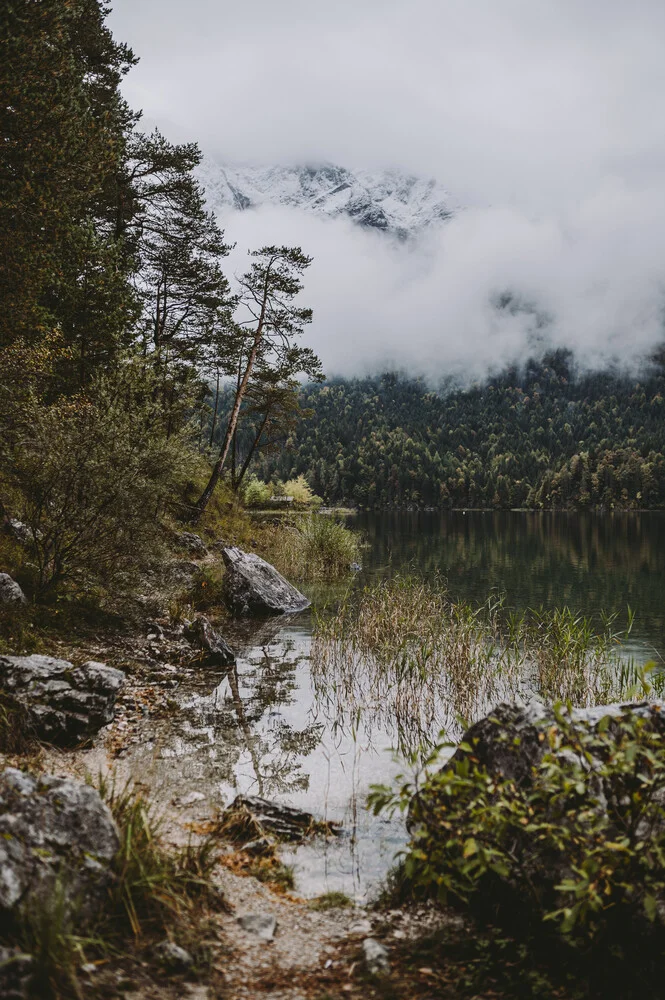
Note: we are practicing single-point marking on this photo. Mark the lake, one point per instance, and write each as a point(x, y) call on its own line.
point(273, 726)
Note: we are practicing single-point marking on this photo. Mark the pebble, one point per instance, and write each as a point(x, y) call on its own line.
point(376, 957)
point(173, 956)
point(261, 924)
point(361, 927)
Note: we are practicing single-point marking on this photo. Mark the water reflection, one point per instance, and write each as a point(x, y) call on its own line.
point(262, 727)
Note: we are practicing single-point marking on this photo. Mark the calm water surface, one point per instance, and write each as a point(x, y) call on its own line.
point(263, 728)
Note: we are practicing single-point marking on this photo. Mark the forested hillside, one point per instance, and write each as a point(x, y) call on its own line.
point(537, 436)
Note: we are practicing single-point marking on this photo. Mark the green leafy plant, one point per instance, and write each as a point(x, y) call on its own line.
point(575, 851)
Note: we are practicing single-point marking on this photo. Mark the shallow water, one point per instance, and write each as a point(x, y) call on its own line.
point(262, 728)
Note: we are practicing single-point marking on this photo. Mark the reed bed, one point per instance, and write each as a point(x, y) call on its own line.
point(405, 658)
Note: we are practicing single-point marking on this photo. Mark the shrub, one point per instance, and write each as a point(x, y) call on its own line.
point(573, 852)
point(255, 493)
point(91, 476)
point(301, 492)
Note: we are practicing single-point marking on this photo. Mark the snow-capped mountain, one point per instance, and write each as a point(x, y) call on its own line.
point(398, 204)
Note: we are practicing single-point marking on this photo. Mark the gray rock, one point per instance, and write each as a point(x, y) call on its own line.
point(376, 957)
point(510, 740)
point(63, 704)
point(263, 925)
point(218, 653)
point(284, 822)
point(53, 832)
point(253, 586)
point(19, 531)
point(192, 543)
point(10, 592)
point(184, 572)
point(172, 956)
point(16, 972)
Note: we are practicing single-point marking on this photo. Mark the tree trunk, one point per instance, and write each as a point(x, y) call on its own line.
point(250, 453)
point(204, 499)
point(214, 415)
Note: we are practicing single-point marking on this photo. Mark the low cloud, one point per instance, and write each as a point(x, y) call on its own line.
point(591, 280)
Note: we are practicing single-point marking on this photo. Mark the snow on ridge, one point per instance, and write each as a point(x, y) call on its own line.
point(402, 205)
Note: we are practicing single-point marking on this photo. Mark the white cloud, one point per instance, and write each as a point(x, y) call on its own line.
point(544, 116)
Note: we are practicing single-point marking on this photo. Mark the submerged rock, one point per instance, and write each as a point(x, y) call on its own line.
point(253, 586)
point(57, 838)
point(283, 822)
point(10, 591)
point(63, 704)
point(218, 653)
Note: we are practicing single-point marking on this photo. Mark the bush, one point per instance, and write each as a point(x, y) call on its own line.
point(573, 852)
point(299, 490)
point(256, 493)
point(91, 476)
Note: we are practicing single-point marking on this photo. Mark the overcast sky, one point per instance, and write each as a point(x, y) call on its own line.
point(546, 117)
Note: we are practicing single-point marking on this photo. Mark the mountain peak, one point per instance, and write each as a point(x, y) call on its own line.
point(399, 204)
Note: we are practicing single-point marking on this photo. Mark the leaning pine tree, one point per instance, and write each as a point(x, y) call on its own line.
point(267, 293)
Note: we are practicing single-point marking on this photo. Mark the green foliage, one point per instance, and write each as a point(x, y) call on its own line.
point(540, 436)
point(577, 851)
point(331, 901)
point(299, 489)
point(91, 476)
point(255, 493)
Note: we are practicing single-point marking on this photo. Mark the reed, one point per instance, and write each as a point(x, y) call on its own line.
point(403, 656)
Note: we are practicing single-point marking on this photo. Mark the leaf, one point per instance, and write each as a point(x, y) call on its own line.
point(470, 848)
point(650, 907)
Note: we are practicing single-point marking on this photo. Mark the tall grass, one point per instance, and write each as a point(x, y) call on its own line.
point(154, 884)
point(404, 657)
point(314, 547)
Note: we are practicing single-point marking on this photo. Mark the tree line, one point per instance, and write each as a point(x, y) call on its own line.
point(539, 435)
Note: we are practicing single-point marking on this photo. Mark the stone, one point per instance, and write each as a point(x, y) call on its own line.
point(173, 957)
point(184, 572)
point(284, 822)
point(509, 739)
point(217, 652)
point(63, 704)
point(54, 831)
point(16, 972)
point(192, 543)
point(19, 531)
point(376, 957)
point(255, 587)
point(10, 592)
point(263, 925)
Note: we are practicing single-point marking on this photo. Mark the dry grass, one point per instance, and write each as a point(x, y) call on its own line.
point(405, 657)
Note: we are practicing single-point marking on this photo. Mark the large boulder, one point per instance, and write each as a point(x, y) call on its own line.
point(253, 586)
point(510, 741)
point(215, 649)
point(56, 837)
point(10, 592)
point(63, 704)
